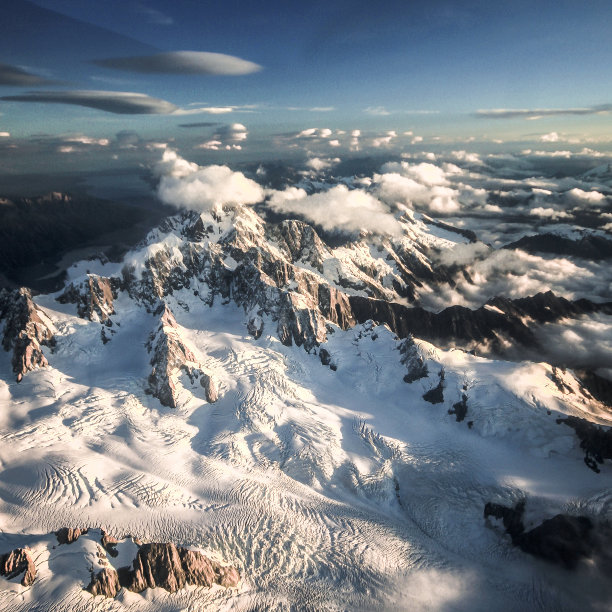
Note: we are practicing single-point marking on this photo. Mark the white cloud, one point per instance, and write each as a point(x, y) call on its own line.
point(182, 62)
point(337, 209)
point(201, 188)
point(551, 137)
point(590, 198)
point(318, 163)
point(549, 213)
point(379, 111)
point(5, 134)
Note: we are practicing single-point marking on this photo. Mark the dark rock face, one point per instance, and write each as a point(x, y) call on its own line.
point(460, 409)
point(594, 440)
point(598, 387)
point(18, 561)
point(563, 539)
point(105, 582)
point(68, 535)
point(592, 247)
point(436, 395)
point(26, 330)
point(413, 360)
point(167, 566)
point(93, 297)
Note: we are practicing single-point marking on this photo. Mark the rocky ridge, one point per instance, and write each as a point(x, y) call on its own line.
point(170, 357)
point(25, 331)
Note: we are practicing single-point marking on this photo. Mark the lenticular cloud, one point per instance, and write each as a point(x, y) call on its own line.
point(202, 188)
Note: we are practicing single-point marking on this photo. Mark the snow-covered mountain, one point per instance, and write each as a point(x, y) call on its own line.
point(251, 418)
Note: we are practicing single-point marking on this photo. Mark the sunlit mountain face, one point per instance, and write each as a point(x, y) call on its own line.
point(305, 306)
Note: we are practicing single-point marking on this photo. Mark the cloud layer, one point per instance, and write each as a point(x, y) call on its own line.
point(186, 185)
point(11, 75)
point(338, 208)
point(182, 62)
point(118, 102)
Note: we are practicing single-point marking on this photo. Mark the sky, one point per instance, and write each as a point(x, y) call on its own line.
point(236, 77)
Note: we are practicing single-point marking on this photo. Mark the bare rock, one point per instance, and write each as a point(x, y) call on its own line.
point(105, 582)
point(227, 576)
point(93, 297)
point(199, 570)
point(436, 394)
point(26, 330)
point(563, 540)
point(210, 387)
point(413, 360)
point(68, 535)
point(155, 565)
point(170, 355)
point(255, 326)
point(109, 543)
point(16, 562)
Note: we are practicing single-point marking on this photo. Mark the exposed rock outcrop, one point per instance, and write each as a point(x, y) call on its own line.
point(93, 297)
point(26, 330)
point(105, 582)
point(167, 566)
point(16, 562)
point(436, 394)
point(68, 535)
point(594, 440)
point(413, 360)
point(563, 539)
point(170, 357)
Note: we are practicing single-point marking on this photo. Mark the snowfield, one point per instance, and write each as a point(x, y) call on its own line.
point(339, 490)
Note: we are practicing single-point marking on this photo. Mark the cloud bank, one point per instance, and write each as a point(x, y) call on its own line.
point(118, 102)
point(537, 113)
point(11, 75)
point(338, 208)
point(182, 62)
point(202, 188)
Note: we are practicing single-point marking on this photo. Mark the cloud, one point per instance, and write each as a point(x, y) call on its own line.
point(421, 185)
point(198, 124)
point(202, 188)
point(118, 102)
point(315, 133)
point(551, 137)
point(12, 75)
point(589, 198)
point(182, 62)
point(538, 113)
point(226, 136)
point(584, 342)
point(549, 213)
point(317, 163)
point(379, 111)
point(211, 110)
point(337, 209)
point(384, 141)
point(154, 16)
point(5, 134)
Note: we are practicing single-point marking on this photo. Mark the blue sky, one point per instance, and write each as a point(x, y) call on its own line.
point(411, 66)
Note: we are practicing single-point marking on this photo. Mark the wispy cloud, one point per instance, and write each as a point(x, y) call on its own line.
point(154, 16)
point(381, 111)
point(12, 75)
point(198, 124)
point(118, 102)
point(182, 62)
point(538, 113)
